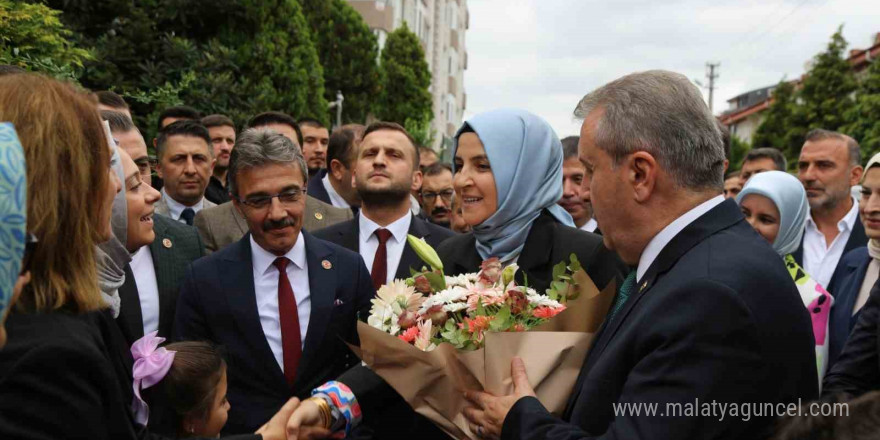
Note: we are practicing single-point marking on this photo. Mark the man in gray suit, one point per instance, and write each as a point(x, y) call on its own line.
point(223, 224)
point(186, 161)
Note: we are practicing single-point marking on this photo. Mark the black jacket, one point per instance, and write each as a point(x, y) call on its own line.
point(857, 370)
point(857, 238)
point(67, 376)
point(176, 246)
point(218, 303)
point(716, 317)
point(548, 243)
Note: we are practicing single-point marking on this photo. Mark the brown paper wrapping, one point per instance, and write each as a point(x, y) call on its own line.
point(433, 382)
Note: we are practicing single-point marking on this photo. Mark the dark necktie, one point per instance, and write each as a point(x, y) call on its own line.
point(291, 341)
point(626, 289)
point(187, 215)
point(380, 261)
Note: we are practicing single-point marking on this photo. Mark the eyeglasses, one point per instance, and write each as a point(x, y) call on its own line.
point(446, 195)
point(261, 202)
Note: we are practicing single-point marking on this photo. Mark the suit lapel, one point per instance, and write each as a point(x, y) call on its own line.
point(238, 269)
point(349, 237)
point(409, 259)
point(535, 256)
point(720, 217)
point(322, 293)
point(130, 315)
point(857, 238)
point(163, 264)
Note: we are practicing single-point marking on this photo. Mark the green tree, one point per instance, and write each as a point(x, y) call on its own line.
point(826, 92)
point(738, 150)
point(225, 56)
point(348, 51)
point(405, 79)
point(864, 116)
point(421, 130)
point(33, 38)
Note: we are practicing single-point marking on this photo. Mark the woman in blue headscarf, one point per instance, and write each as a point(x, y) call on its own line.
point(508, 176)
point(12, 210)
point(775, 204)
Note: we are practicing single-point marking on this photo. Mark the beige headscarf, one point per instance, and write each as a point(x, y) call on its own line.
point(873, 244)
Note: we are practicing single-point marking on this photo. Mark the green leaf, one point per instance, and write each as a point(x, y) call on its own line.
point(502, 320)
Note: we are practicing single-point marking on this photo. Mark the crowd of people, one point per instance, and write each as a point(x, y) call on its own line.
point(213, 288)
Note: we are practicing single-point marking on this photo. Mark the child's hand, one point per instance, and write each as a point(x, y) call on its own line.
point(274, 429)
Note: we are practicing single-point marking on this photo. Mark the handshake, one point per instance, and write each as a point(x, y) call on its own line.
point(306, 420)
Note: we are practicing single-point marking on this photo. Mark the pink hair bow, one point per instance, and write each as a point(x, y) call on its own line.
point(151, 364)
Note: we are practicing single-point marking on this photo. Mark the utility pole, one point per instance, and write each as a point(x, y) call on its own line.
point(711, 76)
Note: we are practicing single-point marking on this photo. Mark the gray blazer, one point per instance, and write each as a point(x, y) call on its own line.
point(223, 224)
point(161, 206)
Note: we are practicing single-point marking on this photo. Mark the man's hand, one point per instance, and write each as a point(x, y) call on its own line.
point(306, 423)
point(487, 415)
point(274, 429)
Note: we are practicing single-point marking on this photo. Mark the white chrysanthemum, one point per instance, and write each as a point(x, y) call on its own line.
point(384, 318)
point(448, 296)
point(462, 280)
point(542, 301)
point(455, 307)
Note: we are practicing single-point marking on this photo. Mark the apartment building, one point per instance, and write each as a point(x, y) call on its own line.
point(441, 26)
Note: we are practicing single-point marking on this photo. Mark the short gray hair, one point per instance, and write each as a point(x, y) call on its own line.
point(852, 146)
point(257, 147)
point(662, 113)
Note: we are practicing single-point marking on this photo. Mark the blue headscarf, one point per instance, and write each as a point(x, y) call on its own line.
point(787, 193)
point(526, 160)
point(13, 211)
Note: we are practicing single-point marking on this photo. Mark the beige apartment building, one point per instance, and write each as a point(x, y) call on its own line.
point(440, 25)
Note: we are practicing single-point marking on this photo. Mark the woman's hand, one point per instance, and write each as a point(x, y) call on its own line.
point(306, 423)
point(487, 415)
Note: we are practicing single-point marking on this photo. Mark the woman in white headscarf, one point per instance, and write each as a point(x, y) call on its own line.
point(508, 176)
point(775, 204)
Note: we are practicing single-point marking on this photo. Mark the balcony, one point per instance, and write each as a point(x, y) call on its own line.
point(452, 88)
point(453, 39)
point(377, 14)
point(450, 129)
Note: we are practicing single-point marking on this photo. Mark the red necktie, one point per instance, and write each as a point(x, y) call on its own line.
point(290, 337)
point(380, 261)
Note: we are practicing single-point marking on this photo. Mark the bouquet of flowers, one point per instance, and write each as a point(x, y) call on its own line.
point(433, 336)
point(429, 309)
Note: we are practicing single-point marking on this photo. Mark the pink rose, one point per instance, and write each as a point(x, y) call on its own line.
point(437, 315)
point(422, 285)
point(490, 270)
point(407, 319)
point(517, 301)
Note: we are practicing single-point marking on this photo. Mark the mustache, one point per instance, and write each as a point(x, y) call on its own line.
point(439, 211)
point(269, 225)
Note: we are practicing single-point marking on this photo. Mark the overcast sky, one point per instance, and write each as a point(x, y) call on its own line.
point(544, 55)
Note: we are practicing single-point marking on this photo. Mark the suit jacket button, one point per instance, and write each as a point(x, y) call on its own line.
point(319, 216)
point(167, 243)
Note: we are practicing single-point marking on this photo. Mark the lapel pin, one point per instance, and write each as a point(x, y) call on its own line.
point(167, 243)
point(644, 285)
point(326, 264)
point(338, 302)
point(319, 216)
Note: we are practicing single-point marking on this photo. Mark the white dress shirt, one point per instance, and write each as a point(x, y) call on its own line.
point(335, 199)
point(369, 242)
point(147, 287)
point(656, 245)
point(820, 260)
point(175, 207)
point(266, 289)
point(590, 225)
